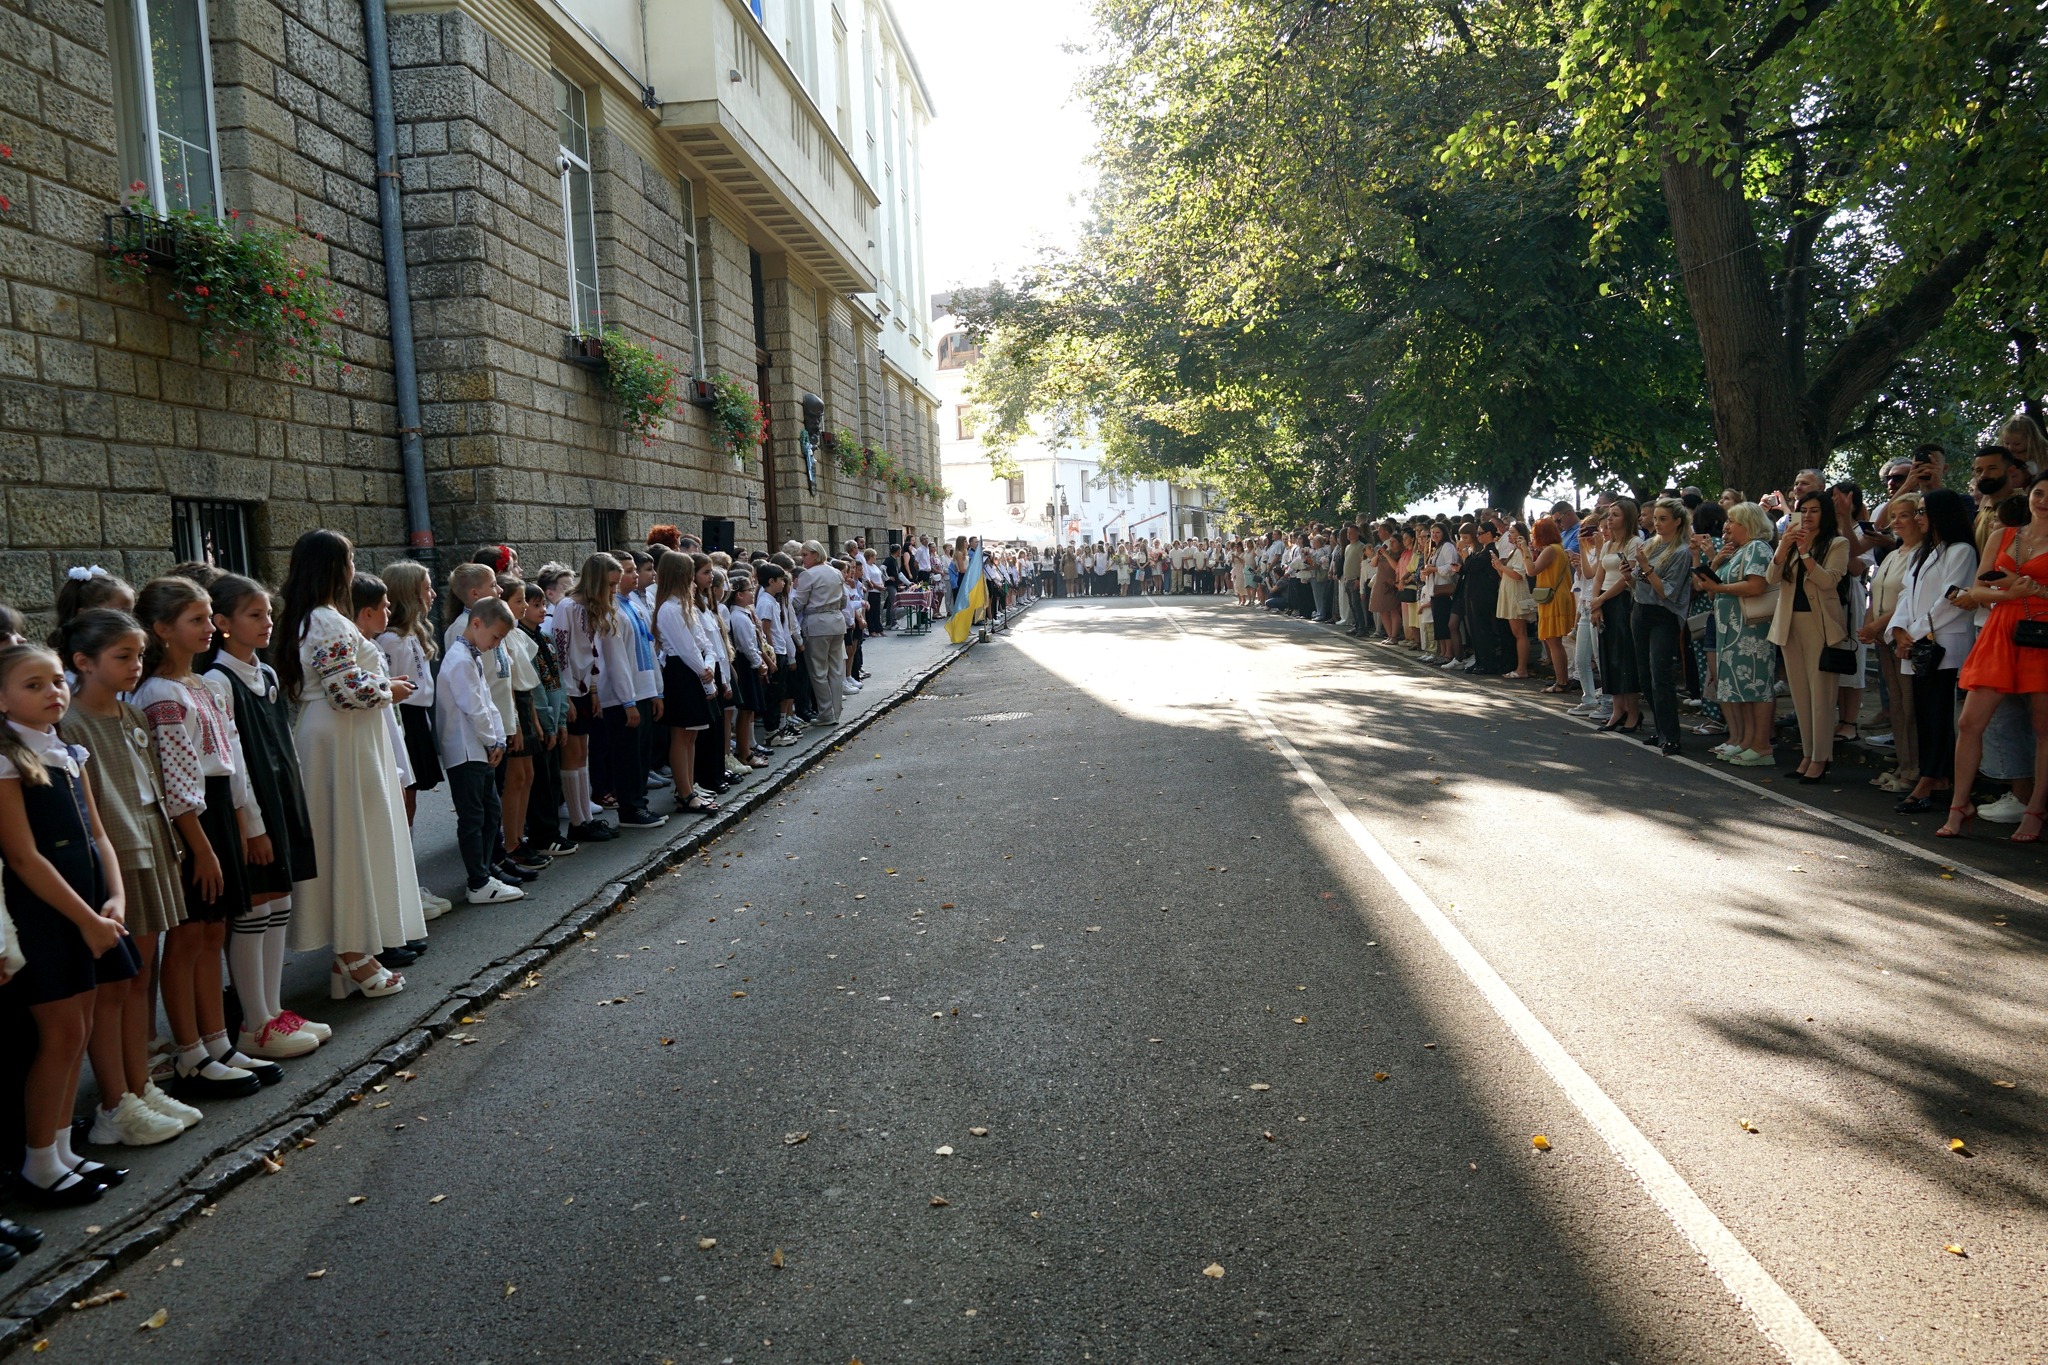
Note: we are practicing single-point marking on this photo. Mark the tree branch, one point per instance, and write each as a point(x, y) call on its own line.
point(1781, 35)
point(1456, 14)
point(1869, 352)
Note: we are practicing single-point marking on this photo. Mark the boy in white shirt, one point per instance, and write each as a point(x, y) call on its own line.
point(471, 736)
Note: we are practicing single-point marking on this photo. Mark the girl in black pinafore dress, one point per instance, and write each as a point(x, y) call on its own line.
point(66, 905)
point(256, 936)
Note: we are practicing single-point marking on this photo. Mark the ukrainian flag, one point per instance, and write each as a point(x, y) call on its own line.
point(971, 596)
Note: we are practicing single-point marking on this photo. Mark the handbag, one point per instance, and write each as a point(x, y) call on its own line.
point(1409, 595)
point(1542, 595)
point(2030, 633)
point(1761, 607)
point(1842, 659)
point(1925, 655)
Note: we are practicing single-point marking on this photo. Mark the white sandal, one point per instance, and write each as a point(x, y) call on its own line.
point(342, 978)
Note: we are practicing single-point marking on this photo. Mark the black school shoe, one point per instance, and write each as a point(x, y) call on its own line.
point(62, 1196)
point(19, 1236)
point(193, 1086)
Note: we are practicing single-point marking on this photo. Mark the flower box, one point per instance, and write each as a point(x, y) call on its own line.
point(587, 351)
point(150, 240)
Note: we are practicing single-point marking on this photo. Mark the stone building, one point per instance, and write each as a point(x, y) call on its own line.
point(735, 182)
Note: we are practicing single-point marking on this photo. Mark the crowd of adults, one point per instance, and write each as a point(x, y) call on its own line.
point(1647, 611)
point(1931, 595)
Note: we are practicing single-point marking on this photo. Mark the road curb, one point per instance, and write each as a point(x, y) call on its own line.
point(34, 1305)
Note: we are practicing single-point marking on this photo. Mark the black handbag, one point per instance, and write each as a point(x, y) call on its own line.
point(2031, 633)
point(1837, 659)
point(1409, 595)
point(1925, 656)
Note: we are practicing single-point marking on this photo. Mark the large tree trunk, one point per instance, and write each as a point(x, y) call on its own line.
point(1756, 407)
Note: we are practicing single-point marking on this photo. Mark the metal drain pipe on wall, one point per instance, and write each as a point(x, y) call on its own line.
point(419, 527)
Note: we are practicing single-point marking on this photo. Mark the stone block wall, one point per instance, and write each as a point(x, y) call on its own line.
point(107, 409)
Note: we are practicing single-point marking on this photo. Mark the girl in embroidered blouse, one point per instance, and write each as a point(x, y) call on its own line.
point(367, 896)
point(207, 796)
point(595, 674)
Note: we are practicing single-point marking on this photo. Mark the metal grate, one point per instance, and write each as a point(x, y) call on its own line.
point(212, 532)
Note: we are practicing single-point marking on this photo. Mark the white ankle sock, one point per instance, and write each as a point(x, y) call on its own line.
point(45, 1166)
point(63, 1147)
point(216, 1045)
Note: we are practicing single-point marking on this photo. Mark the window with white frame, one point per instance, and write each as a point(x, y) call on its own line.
point(163, 104)
point(579, 219)
point(1014, 488)
point(692, 280)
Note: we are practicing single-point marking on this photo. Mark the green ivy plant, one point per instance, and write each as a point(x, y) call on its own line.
point(737, 414)
point(242, 286)
point(642, 382)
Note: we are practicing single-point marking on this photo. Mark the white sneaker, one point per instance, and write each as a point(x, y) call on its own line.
point(433, 908)
point(847, 689)
point(276, 1043)
point(440, 902)
point(1584, 708)
point(131, 1124)
point(2006, 810)
point(494, 891)
point(153, 1096)
point(1878, 741)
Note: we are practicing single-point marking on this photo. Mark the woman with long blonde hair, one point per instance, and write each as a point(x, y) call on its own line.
point(686, 677)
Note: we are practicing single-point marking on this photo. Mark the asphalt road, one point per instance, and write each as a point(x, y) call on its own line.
point(1071, 981)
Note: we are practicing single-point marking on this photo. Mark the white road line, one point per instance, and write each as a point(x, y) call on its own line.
point(1775, 1312)
point(1843, 822)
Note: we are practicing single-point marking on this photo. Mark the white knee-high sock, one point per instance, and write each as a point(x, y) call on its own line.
point(245, 967)
point(576, 794)
point(273, 955)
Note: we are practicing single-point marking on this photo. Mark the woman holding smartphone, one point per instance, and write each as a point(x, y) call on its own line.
point(1808, 568)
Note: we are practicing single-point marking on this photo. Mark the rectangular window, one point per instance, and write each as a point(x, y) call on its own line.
point(963, 421)
point(609, 526)
point(209, 532)
point(1084, 488)
point(692, 280)
point(1016, 488)
point(579, 219)
point(163, 104)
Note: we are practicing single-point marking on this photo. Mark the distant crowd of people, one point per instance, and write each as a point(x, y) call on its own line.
point(1936, 596)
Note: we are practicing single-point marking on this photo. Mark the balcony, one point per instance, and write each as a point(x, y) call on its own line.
point(733, 105)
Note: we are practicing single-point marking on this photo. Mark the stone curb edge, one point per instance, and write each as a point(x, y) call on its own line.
point(35, 1305)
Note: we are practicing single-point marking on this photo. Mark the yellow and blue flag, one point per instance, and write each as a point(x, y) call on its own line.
point(971, 596)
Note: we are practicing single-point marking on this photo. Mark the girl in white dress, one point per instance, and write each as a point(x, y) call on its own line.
point(367, 897)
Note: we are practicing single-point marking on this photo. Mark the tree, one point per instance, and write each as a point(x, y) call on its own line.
point(1836, 174)
point(1282, 288)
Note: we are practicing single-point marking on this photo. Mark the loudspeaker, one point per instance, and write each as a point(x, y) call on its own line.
point(718, 535)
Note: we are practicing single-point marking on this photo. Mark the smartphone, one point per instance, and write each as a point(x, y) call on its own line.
point(1992, 575)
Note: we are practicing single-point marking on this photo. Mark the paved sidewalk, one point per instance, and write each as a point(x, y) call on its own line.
point(463, 943)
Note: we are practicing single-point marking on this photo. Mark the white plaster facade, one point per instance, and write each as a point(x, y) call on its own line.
point(1059, 495)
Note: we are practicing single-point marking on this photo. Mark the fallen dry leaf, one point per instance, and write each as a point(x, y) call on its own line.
point(1747, 1126)
point(1260, 1085)
point(948, 905)
point(100, 1300)
point(1960, 1147)
point(304, 1143)
point(1379, 1075)
point(2006, 1085)
point(939, 1203)
point(155, 1320)
point(739, 995)
point(1268, 1135)
point(316, 1274)
point(942, 1151)
point(776, 1259)
point(357, 1198)
point(510, 1289)
point(1540, 1143)
point(1955, 1249)
point(271, 1166)
point(43, 1344)
point(706, 1243)
point(1213, 1271)
point(1301, 1018)
point(792, 1139)
point(437, 1199)
point(978, 1132)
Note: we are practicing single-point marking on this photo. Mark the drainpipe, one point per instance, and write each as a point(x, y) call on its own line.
point(419, 528)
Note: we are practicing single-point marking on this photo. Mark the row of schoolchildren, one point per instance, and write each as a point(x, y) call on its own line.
point(223, 790)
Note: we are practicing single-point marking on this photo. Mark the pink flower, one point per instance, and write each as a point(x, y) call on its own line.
point(137, 186)
point(5, 205)
point(202, 291)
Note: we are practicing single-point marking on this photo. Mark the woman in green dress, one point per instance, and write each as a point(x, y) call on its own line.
point(1743, 655)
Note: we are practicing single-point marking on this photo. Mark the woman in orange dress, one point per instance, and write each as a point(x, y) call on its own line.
point(1557, 611)
point(2014, 584)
